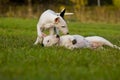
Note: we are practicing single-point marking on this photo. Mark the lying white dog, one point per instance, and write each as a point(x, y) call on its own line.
point(77, 41)
point(51, 20)
point(68, 41)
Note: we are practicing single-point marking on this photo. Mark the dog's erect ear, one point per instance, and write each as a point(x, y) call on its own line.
point(62, 13)
point(57, 20)
point(74, 41)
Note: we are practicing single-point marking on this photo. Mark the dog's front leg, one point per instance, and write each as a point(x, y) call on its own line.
point(38, 40)
point(56, 31)
point(51, 31)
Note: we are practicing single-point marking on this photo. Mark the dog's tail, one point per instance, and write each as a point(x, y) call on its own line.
point(67, 14)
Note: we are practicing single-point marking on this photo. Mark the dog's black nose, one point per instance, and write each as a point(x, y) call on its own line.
point(42, 45)
point(67, 33)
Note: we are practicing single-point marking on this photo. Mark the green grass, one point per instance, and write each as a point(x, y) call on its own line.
point(20, 60)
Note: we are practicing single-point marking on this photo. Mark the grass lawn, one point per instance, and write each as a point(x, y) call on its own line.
point(20, 60)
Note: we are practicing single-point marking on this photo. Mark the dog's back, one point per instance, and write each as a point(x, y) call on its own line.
point(47, 17)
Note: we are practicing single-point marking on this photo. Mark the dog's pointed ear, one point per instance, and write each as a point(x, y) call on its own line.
point(57, 20)
point(62, 13)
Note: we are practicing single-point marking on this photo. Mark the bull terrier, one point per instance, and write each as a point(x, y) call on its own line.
point(77, 41)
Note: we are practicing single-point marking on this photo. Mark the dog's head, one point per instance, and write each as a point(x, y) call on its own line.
point(50, 40)
point(60, 23)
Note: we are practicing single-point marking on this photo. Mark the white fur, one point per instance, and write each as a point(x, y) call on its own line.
point(48, 20)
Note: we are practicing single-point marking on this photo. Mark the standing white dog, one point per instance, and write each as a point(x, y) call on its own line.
point(50, 20)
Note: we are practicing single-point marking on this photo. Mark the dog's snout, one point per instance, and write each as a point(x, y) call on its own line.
point(42, 45)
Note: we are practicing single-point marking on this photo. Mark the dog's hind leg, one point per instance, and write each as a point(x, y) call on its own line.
point(39, 33)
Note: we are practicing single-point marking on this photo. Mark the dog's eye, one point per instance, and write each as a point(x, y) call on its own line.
point(63, 26)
